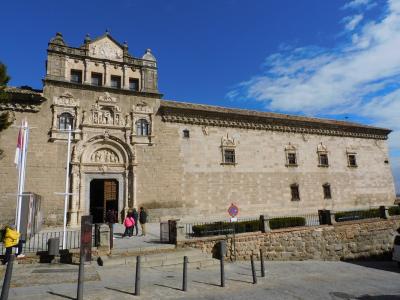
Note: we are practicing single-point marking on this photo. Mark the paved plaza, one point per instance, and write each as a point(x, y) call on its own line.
point(284, 280)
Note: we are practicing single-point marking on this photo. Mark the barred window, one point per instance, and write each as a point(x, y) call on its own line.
point(186, 133)
point(351, 159)
point(229, 156)
point(323, 159)
point(327, 191)
point(142, 127)
point(294, 189)
point(76, 76)
point(65, 121)
point(116, 82)
point(291, 159)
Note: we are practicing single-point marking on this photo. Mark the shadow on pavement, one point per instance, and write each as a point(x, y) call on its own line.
point(117, 290)
point(208, 283)
point(384, 265)
point(341, 295)
point(166, 286)
point(238, 280)
point(61, 295)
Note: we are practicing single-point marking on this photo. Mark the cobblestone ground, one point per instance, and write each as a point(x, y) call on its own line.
point(284, 280)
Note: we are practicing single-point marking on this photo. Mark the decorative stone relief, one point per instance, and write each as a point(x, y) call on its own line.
point(66, 99)
point(322, 148)
point(142, 108)
point(64, 103)
point(228, 141)
point(107, 98)
point(105, 112)
point(105, 48)
point(205, 130)
point(104, 156)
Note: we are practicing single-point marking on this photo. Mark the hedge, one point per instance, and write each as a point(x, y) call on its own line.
point(357, 215)
point(285, 222)
point(394, 210)
point(219, 228)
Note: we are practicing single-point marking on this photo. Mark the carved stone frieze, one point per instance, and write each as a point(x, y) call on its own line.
point(104, 156)
point(66, 99)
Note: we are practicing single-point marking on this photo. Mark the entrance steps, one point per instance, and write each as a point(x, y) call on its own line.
point(171, 257)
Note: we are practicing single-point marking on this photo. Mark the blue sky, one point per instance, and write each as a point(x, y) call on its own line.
point(332, 58)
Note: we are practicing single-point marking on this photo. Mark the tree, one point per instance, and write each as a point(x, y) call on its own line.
point(4, 116)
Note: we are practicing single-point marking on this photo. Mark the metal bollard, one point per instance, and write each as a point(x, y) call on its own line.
point(253, 270)
point(184, 283)
point(222, 267)
point(7, 279)
point(137, 278)
point(262, 263)
point(81, 276)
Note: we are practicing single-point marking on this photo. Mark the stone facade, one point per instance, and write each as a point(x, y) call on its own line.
point(179, 160)
point(345, 241)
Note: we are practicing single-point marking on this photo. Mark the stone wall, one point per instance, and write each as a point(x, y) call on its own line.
point(343, 241)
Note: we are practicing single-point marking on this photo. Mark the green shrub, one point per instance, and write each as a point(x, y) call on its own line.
point(221, 228)
point(394, 210)
point(285, 222)
point(357, 215)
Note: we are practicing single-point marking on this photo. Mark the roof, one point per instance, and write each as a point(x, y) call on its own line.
point(243, 115)
point(23, 99)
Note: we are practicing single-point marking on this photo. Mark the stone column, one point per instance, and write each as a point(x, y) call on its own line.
point(55, 117)
point(384, 212)
point(86, 77)
point(126, 191)
point(73, 213)
point(264, 224)
point(105, 75)
point(125, 83)
point(104, 242)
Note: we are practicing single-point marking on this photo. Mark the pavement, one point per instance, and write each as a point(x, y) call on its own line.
point(375, 280)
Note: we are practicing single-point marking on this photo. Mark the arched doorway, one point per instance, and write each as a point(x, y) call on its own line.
point(102, 178)
point(103, 197)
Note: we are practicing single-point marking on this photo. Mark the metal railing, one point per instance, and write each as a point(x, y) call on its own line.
point(38, 242)
point(342, 216)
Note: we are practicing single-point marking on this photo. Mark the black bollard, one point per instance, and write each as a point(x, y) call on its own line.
point(7, 279)
point(137, 278)
point(81, 276)
point(184, 283)
point(253, 270)
point(262, 263)
point(222, 267)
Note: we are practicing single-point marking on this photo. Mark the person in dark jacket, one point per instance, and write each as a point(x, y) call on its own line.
point(143, 220)
point(135, 215)
point(111, 219)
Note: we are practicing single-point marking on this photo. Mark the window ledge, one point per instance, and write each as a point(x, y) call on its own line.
point(323, 166)
point(356, 166)
point(291, 165)
point(228, 164)
point(295, 199)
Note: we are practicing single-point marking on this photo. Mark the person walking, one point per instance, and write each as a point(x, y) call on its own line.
point(143, 220)
point(129, 222)
point(11, 239)
point(135, 215)
point(111, 219)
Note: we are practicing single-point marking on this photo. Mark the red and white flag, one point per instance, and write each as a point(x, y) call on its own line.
point(20, 144)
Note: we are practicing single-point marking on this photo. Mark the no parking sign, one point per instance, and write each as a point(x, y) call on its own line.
point(233, 211)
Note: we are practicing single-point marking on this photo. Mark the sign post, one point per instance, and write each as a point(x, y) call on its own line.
point(233, 211)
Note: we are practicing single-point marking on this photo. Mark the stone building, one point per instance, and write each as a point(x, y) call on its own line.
point(131, 149)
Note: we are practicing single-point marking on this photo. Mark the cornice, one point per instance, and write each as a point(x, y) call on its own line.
point(219, 119)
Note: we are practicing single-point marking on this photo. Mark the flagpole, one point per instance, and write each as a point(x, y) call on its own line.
point(19, 181)
point(66, 195)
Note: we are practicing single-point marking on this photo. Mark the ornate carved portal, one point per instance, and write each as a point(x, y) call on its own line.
point(101, 158)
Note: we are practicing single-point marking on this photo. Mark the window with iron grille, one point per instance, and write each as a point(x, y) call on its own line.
point(65, 121)
point(294, 189)
point(229, 156)
point(351, 159)
point(327, 191)
point(291, 159)
point(186, 133)
point(133, 84)
point(323, 159)
point(142, 127)
point(97, 79)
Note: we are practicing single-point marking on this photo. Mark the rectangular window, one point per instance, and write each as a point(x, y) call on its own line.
point(229, 156)
point(116, 82)
point(186, 133)
point(323, 160)
point(97, 79)
point(327, 191)
point(294, 189)
point(351, 158)
point(133, 84)
point(291, 159)
point(76, 76)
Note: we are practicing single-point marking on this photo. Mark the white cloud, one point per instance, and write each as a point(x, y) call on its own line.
point(352, 22)
point(361, 77)
point(359, 3)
